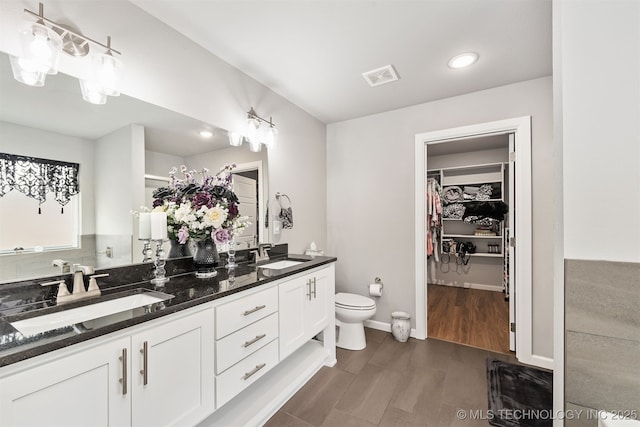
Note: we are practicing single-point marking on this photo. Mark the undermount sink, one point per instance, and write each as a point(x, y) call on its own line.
point(59, 319)
point(279, 265)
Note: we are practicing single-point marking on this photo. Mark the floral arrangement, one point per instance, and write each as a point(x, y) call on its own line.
point(200, 210)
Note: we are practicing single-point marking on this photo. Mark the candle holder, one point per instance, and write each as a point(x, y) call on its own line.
point(146, 250)
point(231, 254)
point(159, 280)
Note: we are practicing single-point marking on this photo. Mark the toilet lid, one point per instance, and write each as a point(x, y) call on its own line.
point(352, 300)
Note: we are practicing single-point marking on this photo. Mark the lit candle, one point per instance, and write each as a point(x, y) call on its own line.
point(144, 228)
point(158, 225)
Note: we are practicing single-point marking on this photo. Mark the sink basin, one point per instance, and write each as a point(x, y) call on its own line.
point(279, 265)
point(59, 319)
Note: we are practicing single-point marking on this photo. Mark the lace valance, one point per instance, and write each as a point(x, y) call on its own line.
point(36, 177)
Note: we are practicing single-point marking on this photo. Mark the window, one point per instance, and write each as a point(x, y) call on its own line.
point(38, 192)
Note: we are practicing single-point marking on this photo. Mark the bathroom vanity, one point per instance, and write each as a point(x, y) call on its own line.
point(225, 351)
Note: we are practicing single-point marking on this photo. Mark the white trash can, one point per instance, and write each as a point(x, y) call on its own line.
point(401, 325)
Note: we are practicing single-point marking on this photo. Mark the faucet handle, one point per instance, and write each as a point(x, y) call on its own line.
point(63, 291)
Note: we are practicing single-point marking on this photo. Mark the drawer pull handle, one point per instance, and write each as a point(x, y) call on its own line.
point(309, 289)
point(253, 341)
point(253, 310)
point(145, 370)
point(123, 380)
point(253, 371)
point(314, 288)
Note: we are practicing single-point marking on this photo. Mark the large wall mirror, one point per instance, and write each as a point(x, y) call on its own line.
point(125, 149)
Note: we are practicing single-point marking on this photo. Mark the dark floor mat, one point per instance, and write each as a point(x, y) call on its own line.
point(519, 396)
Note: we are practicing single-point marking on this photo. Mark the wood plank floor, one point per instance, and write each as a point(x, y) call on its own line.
point(468, 316)
point(394, 384)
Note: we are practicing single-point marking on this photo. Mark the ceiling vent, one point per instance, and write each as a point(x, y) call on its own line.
point(380, 76)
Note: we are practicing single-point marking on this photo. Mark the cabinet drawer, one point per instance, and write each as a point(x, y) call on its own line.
point(237, 314)
point(245, 373)
point(240, 344)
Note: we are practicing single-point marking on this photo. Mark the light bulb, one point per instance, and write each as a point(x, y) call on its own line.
point(255, 145)
point(108, 71)
point(41, 45)
point(463, 60)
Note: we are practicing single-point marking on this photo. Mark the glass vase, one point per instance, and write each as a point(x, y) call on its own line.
point(178, 250)
point(206, 258)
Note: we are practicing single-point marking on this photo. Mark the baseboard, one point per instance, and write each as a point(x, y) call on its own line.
point(386, 327)
point(469, 285)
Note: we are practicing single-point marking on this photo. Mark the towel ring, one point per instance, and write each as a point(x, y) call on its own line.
point(280, 195)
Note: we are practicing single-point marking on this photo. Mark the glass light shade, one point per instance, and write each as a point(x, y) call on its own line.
point(26, 71)
point(252, 129)
point(235, 139)
point(42, 46)
point(107, 71)
point(270, 137)
point(255, 145)
point(92, 92)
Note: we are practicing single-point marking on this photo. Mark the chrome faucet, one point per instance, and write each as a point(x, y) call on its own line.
point(262, 253)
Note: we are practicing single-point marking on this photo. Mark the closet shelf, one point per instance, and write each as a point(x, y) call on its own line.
point(487, 255)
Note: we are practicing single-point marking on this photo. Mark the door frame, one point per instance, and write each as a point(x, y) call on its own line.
point(521, 128)
point(263, 233)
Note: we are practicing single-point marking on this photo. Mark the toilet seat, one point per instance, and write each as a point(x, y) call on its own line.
point(354, 302)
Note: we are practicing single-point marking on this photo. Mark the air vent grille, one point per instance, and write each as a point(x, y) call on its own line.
point(380, 76)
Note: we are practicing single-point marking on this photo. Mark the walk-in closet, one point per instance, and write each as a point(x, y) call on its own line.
point(468, 239)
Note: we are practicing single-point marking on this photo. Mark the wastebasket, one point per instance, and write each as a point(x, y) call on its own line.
point(401, 325)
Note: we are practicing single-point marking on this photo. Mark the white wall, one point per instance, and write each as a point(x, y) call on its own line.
point(160, 164)
point(370, 194)
point(164, 68)
point(600, 91)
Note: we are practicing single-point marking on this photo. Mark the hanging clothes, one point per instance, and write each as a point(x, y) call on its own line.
point(434, 217)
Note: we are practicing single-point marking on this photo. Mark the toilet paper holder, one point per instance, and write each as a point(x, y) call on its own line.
point(375, 289)
point(378, 281)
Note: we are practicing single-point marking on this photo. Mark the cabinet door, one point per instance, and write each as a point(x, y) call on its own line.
point(173, 370)
point(82, 389)
point(293, 296)
point(317, 307)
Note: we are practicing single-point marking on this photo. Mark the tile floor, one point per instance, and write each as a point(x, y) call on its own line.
point(417, 383)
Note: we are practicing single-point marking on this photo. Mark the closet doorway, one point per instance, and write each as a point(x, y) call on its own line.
point(468, 253)
point(468, 263)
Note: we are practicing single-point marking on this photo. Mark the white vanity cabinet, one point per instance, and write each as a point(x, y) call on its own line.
point(81, 389)
point(102, 383)
point(246, 342)
point(172, 372)
point(306, 307)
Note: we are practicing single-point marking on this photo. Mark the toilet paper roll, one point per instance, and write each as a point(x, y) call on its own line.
point(375, 290)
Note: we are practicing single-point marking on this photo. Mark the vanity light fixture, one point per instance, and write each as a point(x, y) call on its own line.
point(43, 40)
point(258, 132)
point(463, 60)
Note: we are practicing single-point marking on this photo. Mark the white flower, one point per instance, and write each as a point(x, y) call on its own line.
point(183, 212)
point(215, 216)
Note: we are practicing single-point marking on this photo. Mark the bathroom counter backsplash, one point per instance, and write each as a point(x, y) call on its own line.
point(24, 299)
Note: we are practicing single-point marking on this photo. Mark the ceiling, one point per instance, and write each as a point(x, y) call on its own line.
point(313, 52)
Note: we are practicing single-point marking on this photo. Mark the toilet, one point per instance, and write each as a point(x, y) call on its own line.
point(351, 312)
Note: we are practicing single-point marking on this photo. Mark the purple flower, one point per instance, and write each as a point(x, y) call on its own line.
point(233, 210)
point(183, 235)
point(220, 236)
point(202, 199)
point(157, 202)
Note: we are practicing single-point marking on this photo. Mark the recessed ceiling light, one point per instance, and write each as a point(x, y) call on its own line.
point(463, 60)
point(206, 133)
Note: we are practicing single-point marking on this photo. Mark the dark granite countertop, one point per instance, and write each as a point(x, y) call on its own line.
point(187, 291)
